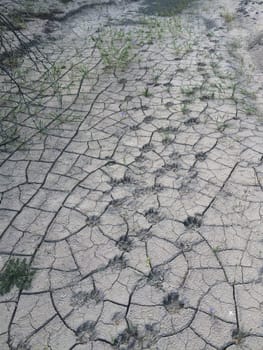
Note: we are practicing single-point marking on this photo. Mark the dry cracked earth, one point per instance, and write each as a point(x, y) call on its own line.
point(131, 183)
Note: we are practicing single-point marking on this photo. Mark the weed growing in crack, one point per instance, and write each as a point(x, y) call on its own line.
point(221, 126)
point(167, 135)
point(65, 118)
point(249, 109)
point(156, 78)
point(146, 92)
point(83, 70)
point(52, 78)
point(167, 140)
point(184, 108)
point(249, 94)
point(174, 26)
point(40, 126)
point(216, 249)
point(228, 16)
point(238, 335)
point(188, 91)
point(152, 30)
point(16, 273)
point(115, 47)
point(182, 38)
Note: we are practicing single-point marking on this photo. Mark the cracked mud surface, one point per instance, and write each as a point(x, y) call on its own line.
point(135, 193)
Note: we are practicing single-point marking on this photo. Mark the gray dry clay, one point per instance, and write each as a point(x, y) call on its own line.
point(135, 191)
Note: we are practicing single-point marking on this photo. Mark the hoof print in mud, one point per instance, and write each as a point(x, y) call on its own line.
point(119, 262)
point(193, 221)
point(148, 119)
point(124, 243)
point(86, 331)
point(201, 156)
point(169, 104)
point(184, 246)
point(93, 220)
point(81, 298)
point(117, 202)
point(171, 166)
point(156, 277)
point(135, 127)
point(173, 303)
point(157, 188)
point(147, 147)
point(127, 339)
point(144, 234)
point(153, 216)
point(192, 121)
point(125, 180)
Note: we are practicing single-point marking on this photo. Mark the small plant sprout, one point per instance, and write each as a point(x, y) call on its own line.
point(184, 108)
point(40, 126)
point(228, 16)
point(221, 126)
point(115, 47)
point(146, 92)
point(148, 261)
point(216, 249)
point(238, 335)
point(188, 91)
point(156, 78)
